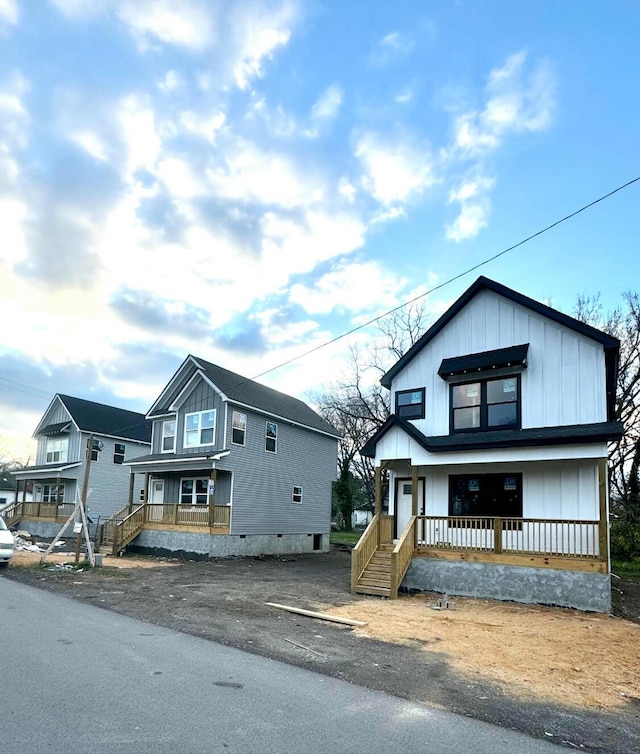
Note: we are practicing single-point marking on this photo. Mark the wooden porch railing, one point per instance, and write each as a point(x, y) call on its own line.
point(51, 511)
point(364, 549)
point(126, 529)
point(402, 555)
point(214, 516)
point(514, 536)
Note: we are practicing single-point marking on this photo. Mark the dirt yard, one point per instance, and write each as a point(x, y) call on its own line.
point(560, 674)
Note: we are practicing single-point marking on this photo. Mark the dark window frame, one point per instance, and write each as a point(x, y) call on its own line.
point(238, 430)
point(484, 404)
point(117, 454)
point(94, 451)
point(487, 506)
point(404, 411)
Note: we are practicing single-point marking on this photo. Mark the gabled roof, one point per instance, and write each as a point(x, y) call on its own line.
point(611, 345)
point(100, 419)
point(571, 434)
point(250, 394)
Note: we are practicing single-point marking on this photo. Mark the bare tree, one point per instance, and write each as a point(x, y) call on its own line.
point(357, 404)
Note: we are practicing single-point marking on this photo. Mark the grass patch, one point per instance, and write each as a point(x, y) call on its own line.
point(628, 568)
point(345, 537)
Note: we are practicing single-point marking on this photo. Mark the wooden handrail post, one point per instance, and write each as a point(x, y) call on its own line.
point(378, 490)
point(497, 535)
point(603, 526)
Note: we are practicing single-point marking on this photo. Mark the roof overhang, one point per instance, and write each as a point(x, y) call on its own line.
point(484, 361)
point(53, 469)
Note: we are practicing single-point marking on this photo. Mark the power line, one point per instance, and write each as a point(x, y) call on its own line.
point(449, 281)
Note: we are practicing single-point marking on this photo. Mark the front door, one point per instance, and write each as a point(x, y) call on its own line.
point(403, 504)
point(157, 491)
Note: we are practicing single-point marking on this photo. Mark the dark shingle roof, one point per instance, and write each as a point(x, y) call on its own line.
point(243, 390)
point(107, 420)
point(477, 362)
point(570, 434)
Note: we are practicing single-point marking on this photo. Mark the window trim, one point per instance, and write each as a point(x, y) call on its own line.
point(199, 414)
point(267, 437)
point(41, 492)
point(484, 405)
point(63, 452)
point(172, 436)
point(421, 405)
point(116, 454)
point(298, 495)
point(194, 494)
point(233, 429)
point(517, 475)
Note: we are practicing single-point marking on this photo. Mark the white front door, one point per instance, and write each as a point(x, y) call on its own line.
point(403, 503)
point(157, 491)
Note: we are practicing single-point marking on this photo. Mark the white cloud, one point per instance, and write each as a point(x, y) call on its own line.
point(13, 214)
point(359, 286)
point(91, 143)
point(472, 195)
point(518, 100)
point(390, 48)
point(170, 82)
point(137, 122)
point(395, 171)
point(175, 22)
point(206, 125)
point(9, 12)
point(327, 105)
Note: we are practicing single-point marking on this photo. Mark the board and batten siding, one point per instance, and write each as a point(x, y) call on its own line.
point(563, 384)
point(263, 482)
point(554, 490)
point(201, 398)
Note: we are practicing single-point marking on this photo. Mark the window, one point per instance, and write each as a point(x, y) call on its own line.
point(94, 450)
point(57, 449)
point(238, 428)
point(193, 491)
point(51, 493)
point(410, 404)
point(297, 494)
point(271, 437)
point(199, 428)
point(486, 495)
point(486, 404)
point(168, 436)
point(118, 453)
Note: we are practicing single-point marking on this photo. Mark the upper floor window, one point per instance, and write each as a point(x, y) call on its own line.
point(57, 449)
point(199, 428)
point(296, 496)
point(238, 428)
point(271, 437)
point(410, 404)
point(118, 452)
point(168, 435)
point(486, 404)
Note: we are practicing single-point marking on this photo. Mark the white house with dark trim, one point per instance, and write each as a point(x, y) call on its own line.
point(496, 456)
point(57, 477)
point(235, 468)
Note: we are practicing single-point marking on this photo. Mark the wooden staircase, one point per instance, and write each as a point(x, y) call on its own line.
point(376, 577)
point(120, 529)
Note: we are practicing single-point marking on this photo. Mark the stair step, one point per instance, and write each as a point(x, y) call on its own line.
point(376, 591)
point(374, 580)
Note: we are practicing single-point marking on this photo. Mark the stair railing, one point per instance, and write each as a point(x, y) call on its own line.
point(364, 550)
point(401, 556)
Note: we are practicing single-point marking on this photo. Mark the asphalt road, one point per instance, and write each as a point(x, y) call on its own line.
point(76, 678)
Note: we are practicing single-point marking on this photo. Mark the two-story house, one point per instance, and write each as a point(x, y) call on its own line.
point(235, 468)
point(496, 457)
point(57, 477)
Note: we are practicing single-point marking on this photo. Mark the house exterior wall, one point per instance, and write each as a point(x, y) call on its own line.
point(172, 484)
point(563, 384)
point(554, 490)
point(56, 415)
point(263, 481)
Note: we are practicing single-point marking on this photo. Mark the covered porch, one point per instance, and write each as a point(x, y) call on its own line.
point(390, 543)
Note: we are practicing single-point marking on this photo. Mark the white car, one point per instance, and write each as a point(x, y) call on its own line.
point(7, 544)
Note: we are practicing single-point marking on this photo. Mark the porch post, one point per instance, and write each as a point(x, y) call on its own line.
point(414, 503)
point(132, 482)
point(212, 497)
point(378, 491)
point(603, 528)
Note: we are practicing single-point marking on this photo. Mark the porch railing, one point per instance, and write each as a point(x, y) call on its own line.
point(515, 536)
point(52, 511)
point(402, 555)
point(364, 549)
point(214, 516)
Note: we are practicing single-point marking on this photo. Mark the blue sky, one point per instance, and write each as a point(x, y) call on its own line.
point(245, 180)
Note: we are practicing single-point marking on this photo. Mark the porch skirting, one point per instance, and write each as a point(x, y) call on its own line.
point(578, 589)
point(201, 546)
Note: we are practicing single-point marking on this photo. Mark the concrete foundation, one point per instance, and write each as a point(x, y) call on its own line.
point(193, 546)
point(577, 589)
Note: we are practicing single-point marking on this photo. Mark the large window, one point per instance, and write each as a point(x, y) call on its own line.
point(486, 404)
point(193, 491)
point(94, 450)
point(199, 428)
point(410, 404)
point(57, 449)
point(271, 437)
point(118, 453)
point(168, 435)
point(51, 493)
point(238, 428)
point(486, 495)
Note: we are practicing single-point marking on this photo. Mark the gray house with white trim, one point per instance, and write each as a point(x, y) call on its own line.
point(235, 468)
